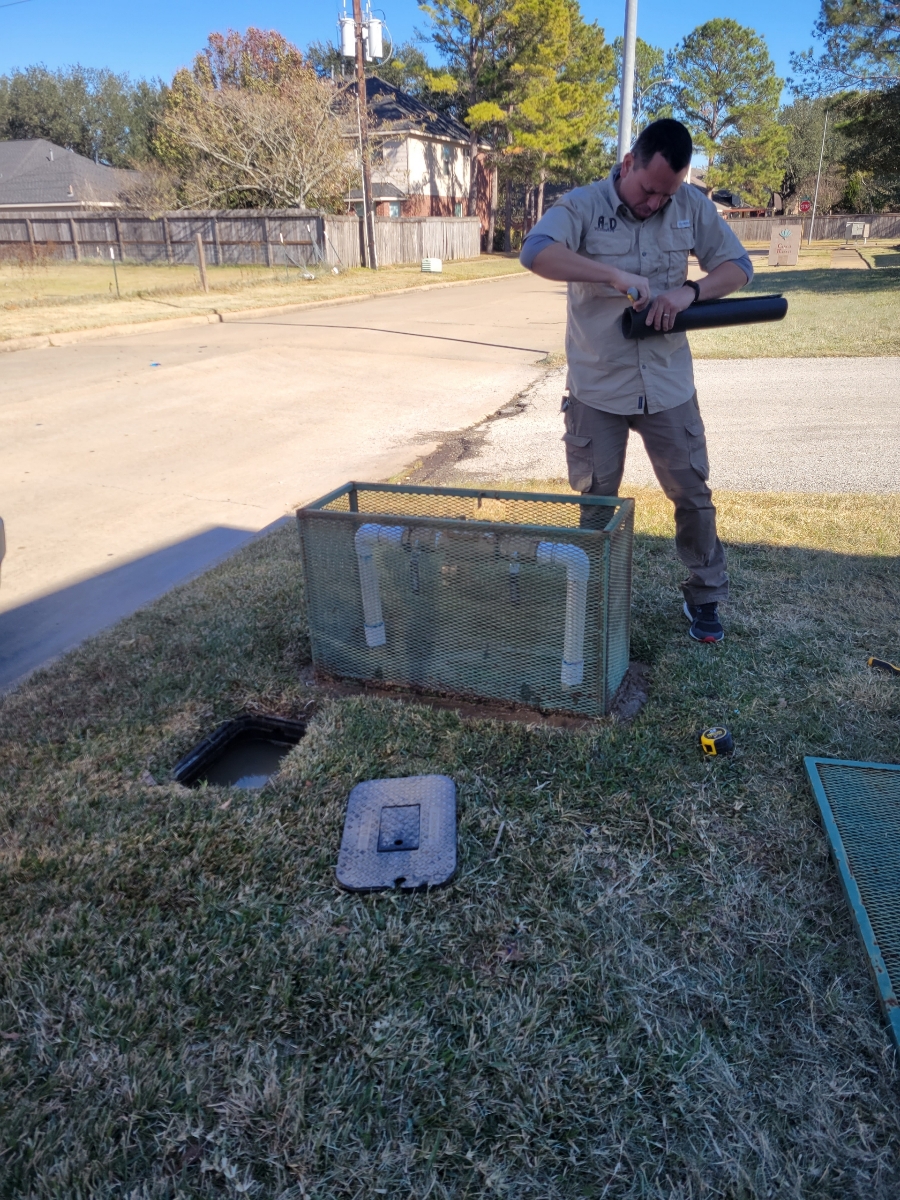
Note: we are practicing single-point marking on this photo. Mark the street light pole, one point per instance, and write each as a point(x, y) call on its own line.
point(626, 84)
point(812, 219)
point(362, 117)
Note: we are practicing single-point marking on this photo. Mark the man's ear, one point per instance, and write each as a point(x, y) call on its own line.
point(627, 164)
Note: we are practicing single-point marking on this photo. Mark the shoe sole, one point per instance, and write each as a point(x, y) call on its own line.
point(704, 641)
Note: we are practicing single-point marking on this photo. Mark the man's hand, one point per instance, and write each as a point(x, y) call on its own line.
point(667, 305)
point(623, 282)
point(559, 262)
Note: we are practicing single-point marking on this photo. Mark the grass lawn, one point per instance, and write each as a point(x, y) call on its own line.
point(54, 297)
point(652, 990)
point(833, 314)
point(885, 254)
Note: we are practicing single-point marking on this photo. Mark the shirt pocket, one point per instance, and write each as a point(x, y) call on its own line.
point(611, 244)
point(675, 245)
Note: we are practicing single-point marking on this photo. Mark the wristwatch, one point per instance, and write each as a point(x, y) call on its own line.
point(692, 283)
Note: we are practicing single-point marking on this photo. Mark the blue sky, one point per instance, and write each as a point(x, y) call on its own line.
point(155, 39)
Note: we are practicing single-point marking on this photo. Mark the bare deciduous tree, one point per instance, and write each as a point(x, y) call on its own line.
point(283, 147)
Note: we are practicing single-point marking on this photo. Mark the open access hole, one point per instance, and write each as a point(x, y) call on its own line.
point(244, 752)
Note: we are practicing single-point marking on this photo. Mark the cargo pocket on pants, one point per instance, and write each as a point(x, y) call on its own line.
point(696, 440)
point(580, 462)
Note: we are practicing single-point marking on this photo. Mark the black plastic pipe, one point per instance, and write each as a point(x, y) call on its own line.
point(709, 314)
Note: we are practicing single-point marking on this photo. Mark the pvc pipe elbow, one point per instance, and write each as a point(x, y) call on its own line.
point(370, 535)
point(564, 554)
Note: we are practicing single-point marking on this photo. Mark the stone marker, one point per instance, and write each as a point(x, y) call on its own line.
point(784, 248)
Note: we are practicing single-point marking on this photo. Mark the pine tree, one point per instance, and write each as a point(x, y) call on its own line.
point(727, 92)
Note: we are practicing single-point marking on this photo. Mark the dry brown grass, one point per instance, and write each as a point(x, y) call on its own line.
point(55, 297)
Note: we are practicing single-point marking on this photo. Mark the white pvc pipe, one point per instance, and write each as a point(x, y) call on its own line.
point(367, 538)
point(578, 568)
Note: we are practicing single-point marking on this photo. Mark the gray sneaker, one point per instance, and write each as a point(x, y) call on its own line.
point(705, 623)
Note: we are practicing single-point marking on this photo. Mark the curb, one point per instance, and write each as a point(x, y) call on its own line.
point(43, 341)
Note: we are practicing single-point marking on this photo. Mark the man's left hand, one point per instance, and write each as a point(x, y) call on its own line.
point(665, 307)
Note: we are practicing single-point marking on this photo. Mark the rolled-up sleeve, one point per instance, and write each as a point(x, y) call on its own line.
point(533, 245)
point(562, 223)
point(715, 242)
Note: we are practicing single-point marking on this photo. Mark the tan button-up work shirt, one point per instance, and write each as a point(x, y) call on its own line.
point(607, 370)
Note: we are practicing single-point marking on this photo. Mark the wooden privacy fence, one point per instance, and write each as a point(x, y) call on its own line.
point(759, 229)
point(237, 238)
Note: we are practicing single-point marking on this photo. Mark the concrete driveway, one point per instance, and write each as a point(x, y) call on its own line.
point(773, 425)
point(130, 464)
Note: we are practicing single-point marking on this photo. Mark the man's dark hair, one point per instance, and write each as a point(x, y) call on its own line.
point(668, 138)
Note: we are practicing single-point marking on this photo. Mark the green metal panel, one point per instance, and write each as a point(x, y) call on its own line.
point(860, 806)
point(471, 604)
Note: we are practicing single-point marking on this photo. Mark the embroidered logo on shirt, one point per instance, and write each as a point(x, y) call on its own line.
point(608, 224)
point(684, 224)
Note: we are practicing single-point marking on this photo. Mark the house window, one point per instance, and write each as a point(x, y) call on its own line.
point(394, 208)
point(447, 158)
point(457, 209)
point(358, 208)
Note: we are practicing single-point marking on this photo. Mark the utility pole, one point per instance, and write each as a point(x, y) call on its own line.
point(362, 117)
point(626, 83)
point(812, 219)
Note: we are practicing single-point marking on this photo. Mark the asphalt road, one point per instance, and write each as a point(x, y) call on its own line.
point(131, 463)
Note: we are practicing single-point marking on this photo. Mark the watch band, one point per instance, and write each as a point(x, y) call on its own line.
point(692, 283)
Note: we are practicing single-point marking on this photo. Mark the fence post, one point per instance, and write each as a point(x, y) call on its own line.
point(30, 228)
point(216, 241)
point(168, 236)
point(119, 240)
point(201, 262)
point(265, 225)
point(74, 235)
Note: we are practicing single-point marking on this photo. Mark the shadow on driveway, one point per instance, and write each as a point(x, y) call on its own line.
point(40, 630)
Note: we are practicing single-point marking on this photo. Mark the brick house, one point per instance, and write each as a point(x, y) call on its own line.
point(420, 159)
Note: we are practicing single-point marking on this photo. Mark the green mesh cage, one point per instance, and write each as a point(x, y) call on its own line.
point(860, 807)
point(510, 596)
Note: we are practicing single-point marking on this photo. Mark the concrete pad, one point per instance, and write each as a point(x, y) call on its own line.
point(846, 258)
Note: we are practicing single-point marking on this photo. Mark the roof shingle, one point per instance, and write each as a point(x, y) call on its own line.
point(35, 172)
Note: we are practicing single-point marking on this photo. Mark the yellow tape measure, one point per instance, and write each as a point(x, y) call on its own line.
point(881, 664)
point(716, 740)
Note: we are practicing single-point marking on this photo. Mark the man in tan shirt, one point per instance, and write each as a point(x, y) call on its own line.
point(635, 230)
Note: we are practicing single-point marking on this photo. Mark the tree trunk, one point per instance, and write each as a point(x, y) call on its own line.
point(472, 207)
point(507, 232)
point(492, 211)
point(539, 207)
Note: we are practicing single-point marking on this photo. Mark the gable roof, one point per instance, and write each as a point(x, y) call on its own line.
point(389, 106)
point(38, 173)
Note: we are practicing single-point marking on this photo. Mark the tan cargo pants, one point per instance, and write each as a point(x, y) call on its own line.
point(675, 441)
